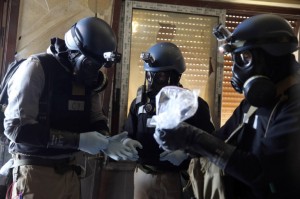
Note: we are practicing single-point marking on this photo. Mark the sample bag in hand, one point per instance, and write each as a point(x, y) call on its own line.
point(174, 105)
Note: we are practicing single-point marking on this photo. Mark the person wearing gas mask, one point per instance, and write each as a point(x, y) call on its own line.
point(54, 111)
point(260, 158)
point(158, 173)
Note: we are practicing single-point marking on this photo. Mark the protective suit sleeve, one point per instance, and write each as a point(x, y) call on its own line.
point(195, 141)
point(98, 119)
point(24, 91)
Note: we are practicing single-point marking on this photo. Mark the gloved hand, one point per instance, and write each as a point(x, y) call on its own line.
point(92, 142)
point(175, 157)
point(172, 139)
point(117, 150)
point(133, 144)
point(196, 141)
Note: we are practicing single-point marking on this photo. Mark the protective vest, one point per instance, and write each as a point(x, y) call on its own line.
point(64, 106)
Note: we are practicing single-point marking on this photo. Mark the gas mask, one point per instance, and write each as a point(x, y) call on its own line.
point(156, 81)
point(250, 74)
point(87, 72)
point(261, 47)
point(250, 77)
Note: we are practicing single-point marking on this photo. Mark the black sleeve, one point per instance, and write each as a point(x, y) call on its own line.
point(39, 135)
point(33, 134)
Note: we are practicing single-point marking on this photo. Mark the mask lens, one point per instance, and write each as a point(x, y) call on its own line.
point(243, 59)
point(158, 78)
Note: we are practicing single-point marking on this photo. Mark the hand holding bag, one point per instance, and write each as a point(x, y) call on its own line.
point(206, 178)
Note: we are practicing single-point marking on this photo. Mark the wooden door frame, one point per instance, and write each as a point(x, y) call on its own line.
point(8, 35)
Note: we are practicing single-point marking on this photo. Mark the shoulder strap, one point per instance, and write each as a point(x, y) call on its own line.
point(250, 112)
point(47, 62)
point(282, 99)
point(282, 87)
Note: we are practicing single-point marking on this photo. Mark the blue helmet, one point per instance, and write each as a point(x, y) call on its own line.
point(270, 32)
point(164, 56)
point(92, 37)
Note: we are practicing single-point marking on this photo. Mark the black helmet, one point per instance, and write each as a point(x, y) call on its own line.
point(270, 32)
point(164, 56)
point(92, 37)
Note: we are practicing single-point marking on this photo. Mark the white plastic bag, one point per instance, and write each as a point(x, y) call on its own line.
point(174, 105)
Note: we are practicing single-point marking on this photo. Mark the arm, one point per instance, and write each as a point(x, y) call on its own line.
point(98, 120)
point(198, 142)
point(195, 141)
point(265, 164)
point(21, 125)
point(24, 91)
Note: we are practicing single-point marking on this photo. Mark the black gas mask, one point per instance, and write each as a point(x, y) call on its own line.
point(261, 47)
point(251, 77)
point(87, 72)
point(158, 80)
point(250, 71)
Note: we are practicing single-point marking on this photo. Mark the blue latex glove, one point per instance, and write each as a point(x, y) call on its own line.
point(117, 150)
point(133, 144)
point(175, 157)
point(92, 142)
